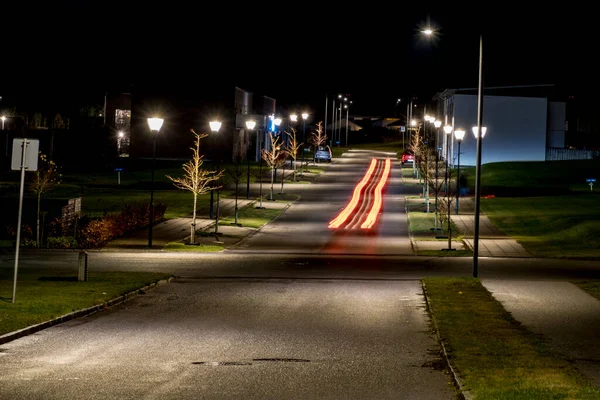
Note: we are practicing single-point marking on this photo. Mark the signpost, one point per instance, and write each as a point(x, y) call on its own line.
point(24, 157)
point(118, 171)
point(591, 181)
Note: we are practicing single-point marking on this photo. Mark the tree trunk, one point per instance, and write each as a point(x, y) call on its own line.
point(272, 180)
point(193, 227)
point(37, 229)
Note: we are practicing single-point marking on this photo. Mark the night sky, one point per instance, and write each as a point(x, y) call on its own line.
point(293, 52)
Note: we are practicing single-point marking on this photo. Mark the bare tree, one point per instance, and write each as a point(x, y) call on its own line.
point(317, 138)
point(235, 173)
point(274, 157)
point(196, 179)
point(293, 148)
point(425, 171)
point(416, 146)
point(45, 179)
point(436, 184)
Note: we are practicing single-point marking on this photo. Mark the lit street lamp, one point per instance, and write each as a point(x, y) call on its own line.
point(476, 130)
point(447, 131)
point(155, 124)
point(250, 125)
point(459, 134)
point(214, 127)
point(304, 118)
point(4, 119)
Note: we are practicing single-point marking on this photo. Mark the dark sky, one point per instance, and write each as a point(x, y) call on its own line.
point(295, 52)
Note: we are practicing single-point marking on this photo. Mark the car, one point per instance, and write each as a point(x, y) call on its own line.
point(407, 157)
point(323, 154)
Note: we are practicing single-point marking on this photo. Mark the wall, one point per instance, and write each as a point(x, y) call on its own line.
point(516, 128)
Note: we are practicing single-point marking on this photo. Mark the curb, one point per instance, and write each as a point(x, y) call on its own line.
point(465, 393)
point(77, 314)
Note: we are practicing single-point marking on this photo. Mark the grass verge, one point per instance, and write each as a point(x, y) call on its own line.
point(591, 287)
point(495, 357)
point(198, 248)
point(44, 295)
point(251, 217)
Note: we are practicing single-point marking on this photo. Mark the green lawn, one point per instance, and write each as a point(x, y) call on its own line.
point(44, 295)
point(550, 226)
point(493, 354)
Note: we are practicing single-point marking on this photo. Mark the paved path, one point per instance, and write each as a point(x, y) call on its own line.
point(565, 315)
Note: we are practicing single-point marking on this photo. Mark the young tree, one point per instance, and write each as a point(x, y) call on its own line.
point(196, 179)
point(293, 149)
point(45, 179)
point(436, 184)
point(416, 145)
point(425, 171)
point(274, 157)
point(317, 138)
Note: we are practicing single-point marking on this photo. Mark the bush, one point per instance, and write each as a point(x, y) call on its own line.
point(62, 242)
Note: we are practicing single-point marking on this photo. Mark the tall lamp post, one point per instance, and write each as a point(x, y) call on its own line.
point(478, 165)
point(304, 118)
point(155, 124)
point(250, 126)
point(447, 131)
point(3, 118)
point(459, 134)
point(214, 127)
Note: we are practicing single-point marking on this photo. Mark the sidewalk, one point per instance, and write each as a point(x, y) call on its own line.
point(492, 242)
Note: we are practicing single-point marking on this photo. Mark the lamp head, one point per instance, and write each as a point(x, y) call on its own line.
point(294, 117)
point(155, 124)
point(250, 124)
point(3, 118)
point(121, 134)
point(413, 123)
point(215, 126)
point(483, 130)
point(304, 115)
point(447, 129)
point(437, 123)
point(459, 134)
point(277, 121)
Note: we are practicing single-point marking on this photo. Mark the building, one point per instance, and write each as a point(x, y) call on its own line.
point(522, 123)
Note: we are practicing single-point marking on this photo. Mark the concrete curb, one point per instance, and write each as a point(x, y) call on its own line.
point(77, 314)
point(465, 393)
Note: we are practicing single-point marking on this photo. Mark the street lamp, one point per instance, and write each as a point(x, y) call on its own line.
point(304, 118)
point(3, 118)
point(476, 130)
point(250, 125)
point(447, 131)
point(459, 134)
point(155, 124)
point(214, 127)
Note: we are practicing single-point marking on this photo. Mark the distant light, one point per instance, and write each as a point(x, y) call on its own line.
point(121, 134)
point(339, 96)
point(155, 124)
point(447, 129)
point(304, 115)
point(437, 123)
point(427, 118)
point(483, 131)
point(250, 124)
point(294, 117)
point(215, 125)
point(413, 123)
point(277, 121)
point(345, 99)
point(428, 31)
point(459, 134)
point(399, 100)
point(3, 118)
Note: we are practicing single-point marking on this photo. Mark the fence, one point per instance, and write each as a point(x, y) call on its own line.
point(560, 154)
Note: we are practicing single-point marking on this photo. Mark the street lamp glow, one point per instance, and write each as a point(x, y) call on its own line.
point(215, 125)
point(437, 123)
point(427, 118)
point(277, 121)
point(294, 117)
point(304, 115)
point(428, 31)
point(155, 124)
point(483, 131)
point(447, 129)
point(250, 124)
point(121, 134)
point(413, 123)
point(459, 134)
point(3, 118)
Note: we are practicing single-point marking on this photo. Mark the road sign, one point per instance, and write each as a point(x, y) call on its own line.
point(31, 154)
point(402, 128)
point(590, 180)
point(118, 169)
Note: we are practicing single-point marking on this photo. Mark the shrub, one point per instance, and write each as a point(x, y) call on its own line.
point(62, 242)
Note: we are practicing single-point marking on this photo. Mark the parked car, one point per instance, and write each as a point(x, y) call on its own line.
point(407, 157)
point(323, 154)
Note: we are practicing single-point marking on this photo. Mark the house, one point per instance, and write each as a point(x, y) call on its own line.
point(522, 123)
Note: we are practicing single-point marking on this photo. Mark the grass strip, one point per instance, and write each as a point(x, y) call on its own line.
point(494, 356)
point(44, 295)
point(590, 287)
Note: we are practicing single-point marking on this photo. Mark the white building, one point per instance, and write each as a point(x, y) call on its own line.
point(519, 128)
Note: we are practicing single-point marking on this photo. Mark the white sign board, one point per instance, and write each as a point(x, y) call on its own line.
point(402, 128)
point(31, 154)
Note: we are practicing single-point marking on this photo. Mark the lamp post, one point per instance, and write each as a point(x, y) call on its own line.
point(304, 118)
point(447, 131)
point(413, 123)
point(293, 119)
point(250, 125)
point(155, 124)
point(214, 127)
point(3, 118)
point(459, 134)
point(478, 165)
